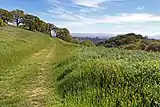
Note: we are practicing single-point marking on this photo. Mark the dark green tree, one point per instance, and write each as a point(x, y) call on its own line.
point(64, 34)
point(29, 21)
point(51, 27)
point(18, 16)
point(33, 23)
point(37, 23)
point(6, 16)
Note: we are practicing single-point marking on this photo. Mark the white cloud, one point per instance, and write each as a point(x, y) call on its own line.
point(89, 3)
point(118, 19)
point(140, 8)
point(131, 18)
point(66, 15)
point(92, 3)
point(77, 19)
point(122, 23)
point(88, 16)
point(62, 13)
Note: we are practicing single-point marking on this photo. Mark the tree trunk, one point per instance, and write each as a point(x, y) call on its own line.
point(50, 33)
point(17, 22)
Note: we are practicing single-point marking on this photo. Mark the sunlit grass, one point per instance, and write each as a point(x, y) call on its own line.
point(25, 57)
point(86, 77)
point(109, 78)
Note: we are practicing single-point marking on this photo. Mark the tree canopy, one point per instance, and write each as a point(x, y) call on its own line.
point(64, 34)
point(18, 16)
point(32, 23)
point(5, 15)
point(120, 40)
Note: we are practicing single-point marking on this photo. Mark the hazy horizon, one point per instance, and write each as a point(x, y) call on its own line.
point(107, 35)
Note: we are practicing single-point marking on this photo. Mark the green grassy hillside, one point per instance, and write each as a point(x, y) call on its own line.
point(39, 71)
point(26, 67)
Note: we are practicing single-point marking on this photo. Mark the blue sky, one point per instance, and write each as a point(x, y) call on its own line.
point(95, 16)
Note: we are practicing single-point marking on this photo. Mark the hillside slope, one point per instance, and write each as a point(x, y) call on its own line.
point(26, 67)
point(39, 71)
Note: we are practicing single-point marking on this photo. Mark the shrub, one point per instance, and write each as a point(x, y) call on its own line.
point(2, 23)
point(76, 41)
point(111, 45)
point(131, 47)
point(153, 46)
point(142, 46)
point(88, 43)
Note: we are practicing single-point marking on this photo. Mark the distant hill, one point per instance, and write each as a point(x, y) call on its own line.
point(132, 41)
point(94, 37)
point(94, 40)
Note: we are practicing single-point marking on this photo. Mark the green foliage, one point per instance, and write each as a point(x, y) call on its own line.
point(132, 41)
point(123, 40)
point(29, 21)
point(33, 23)
point(76, 41)
point(6, 16)
point(102, 77)
point(18, 16)
point(153, 46)
point(131, 47)
point(2, 24)
point(63, 34)
point(88, 43)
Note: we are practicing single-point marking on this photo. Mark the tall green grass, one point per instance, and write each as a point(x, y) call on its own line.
point(99, 77)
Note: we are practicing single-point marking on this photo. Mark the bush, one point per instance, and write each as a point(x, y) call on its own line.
point(111, 45)
point(76, 41)
point(131, 47)
point(88, 43)
point(153, 46)
point(2, 23)
point(142, 46)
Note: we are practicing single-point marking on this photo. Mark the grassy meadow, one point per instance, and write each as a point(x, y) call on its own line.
point(26, 67)
point(39, 71)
